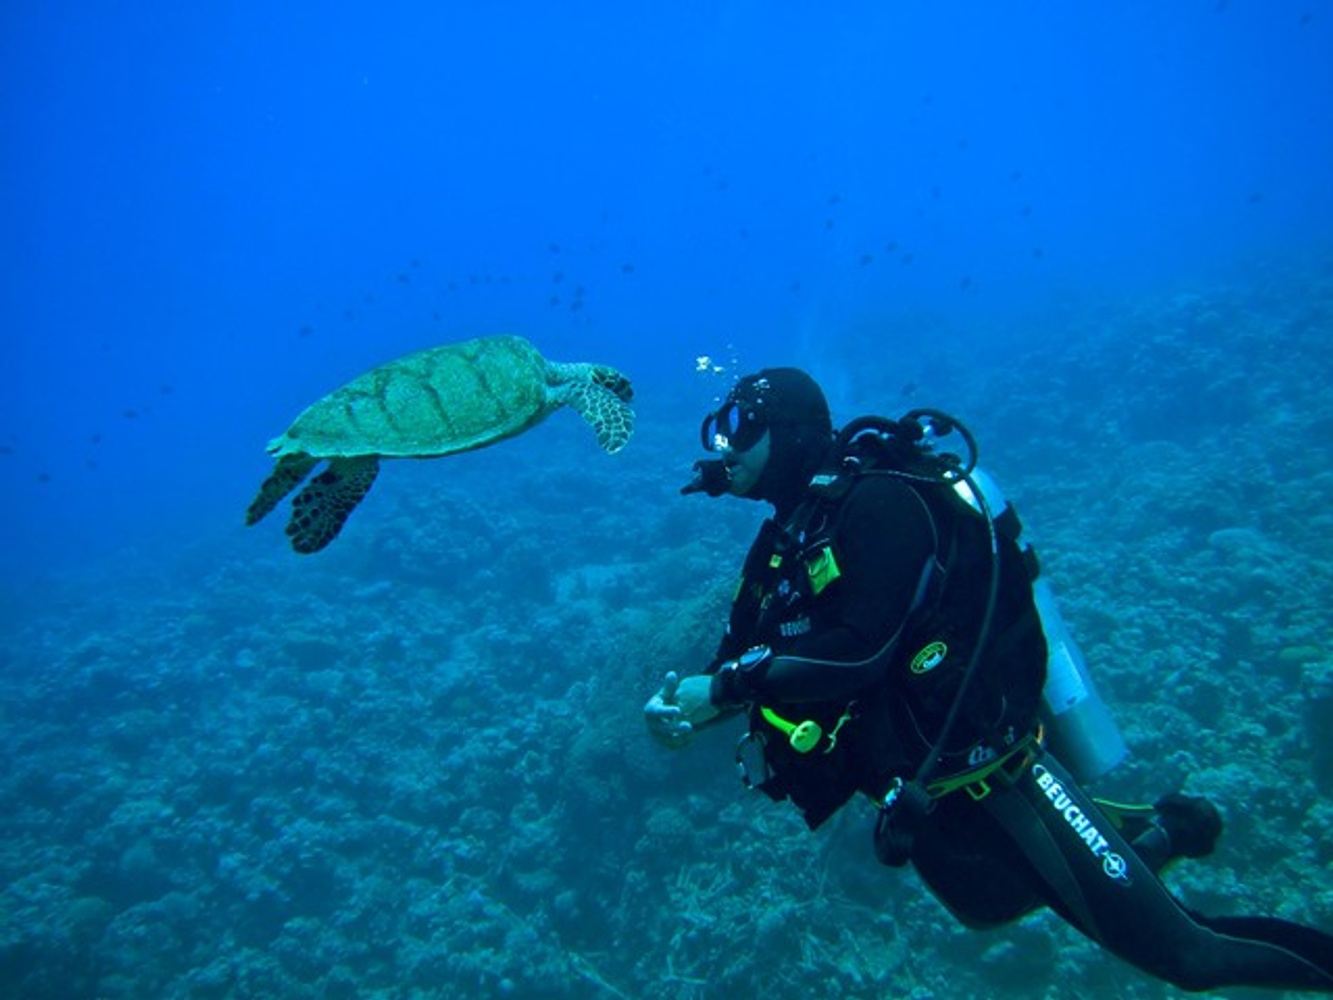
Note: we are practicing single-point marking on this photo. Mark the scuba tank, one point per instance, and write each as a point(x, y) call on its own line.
point(1079, 728)
point(1082, 733)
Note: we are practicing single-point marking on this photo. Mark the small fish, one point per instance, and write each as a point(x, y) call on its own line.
point(866, 259)
point(6, 449)
point(130, 413)
point(553, 247)
point(558, 277)
point(403, 278)
point(306, 329)
point(965, 282)
point(626, 268)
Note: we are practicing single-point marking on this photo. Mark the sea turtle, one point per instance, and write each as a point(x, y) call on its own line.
point(435, 402)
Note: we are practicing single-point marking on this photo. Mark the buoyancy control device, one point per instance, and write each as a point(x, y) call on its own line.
point(1078, 726)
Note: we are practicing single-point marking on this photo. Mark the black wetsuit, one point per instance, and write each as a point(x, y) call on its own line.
point(850, 591)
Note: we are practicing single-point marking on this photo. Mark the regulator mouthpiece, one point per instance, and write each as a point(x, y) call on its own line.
point(711, 476)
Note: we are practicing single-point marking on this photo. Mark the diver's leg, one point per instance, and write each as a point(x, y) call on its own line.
point(1093, 878)
point(971, 867)
point(1175, 826)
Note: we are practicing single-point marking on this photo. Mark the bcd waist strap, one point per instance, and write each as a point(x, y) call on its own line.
point(1005, 769)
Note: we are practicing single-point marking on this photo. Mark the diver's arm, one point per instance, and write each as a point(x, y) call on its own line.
point(882, 544)
point(728, 649)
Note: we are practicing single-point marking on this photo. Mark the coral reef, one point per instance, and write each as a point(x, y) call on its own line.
point(417, 765)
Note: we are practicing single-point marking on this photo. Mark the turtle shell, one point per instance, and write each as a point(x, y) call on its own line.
point(435, 402)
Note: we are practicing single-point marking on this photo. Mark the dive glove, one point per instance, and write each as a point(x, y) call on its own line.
point(678, 707)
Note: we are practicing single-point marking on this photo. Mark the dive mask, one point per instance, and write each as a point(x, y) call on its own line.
point(738, 423)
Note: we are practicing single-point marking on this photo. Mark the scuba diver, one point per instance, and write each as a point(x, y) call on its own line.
point(890, 636)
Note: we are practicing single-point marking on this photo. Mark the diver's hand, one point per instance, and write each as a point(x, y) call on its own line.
point(666, 721)
point(678, 707)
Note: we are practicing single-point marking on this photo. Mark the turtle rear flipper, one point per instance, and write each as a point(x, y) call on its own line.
point(284, 478)
point(608, 413)
point(319, 510)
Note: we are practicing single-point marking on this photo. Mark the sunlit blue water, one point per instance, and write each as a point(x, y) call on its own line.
point(414, 762)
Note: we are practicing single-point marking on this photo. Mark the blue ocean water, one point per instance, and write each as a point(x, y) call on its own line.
point(414, 762)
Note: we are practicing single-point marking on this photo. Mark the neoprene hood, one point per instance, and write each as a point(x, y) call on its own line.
point(789, 404)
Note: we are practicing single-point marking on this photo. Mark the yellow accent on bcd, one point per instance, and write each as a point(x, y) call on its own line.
point(823, 569)
point(803, 736)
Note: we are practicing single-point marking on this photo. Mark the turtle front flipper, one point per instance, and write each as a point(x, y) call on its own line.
point(284, 478)
point(608, 378)
point(607, 411)
point(319, 510)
